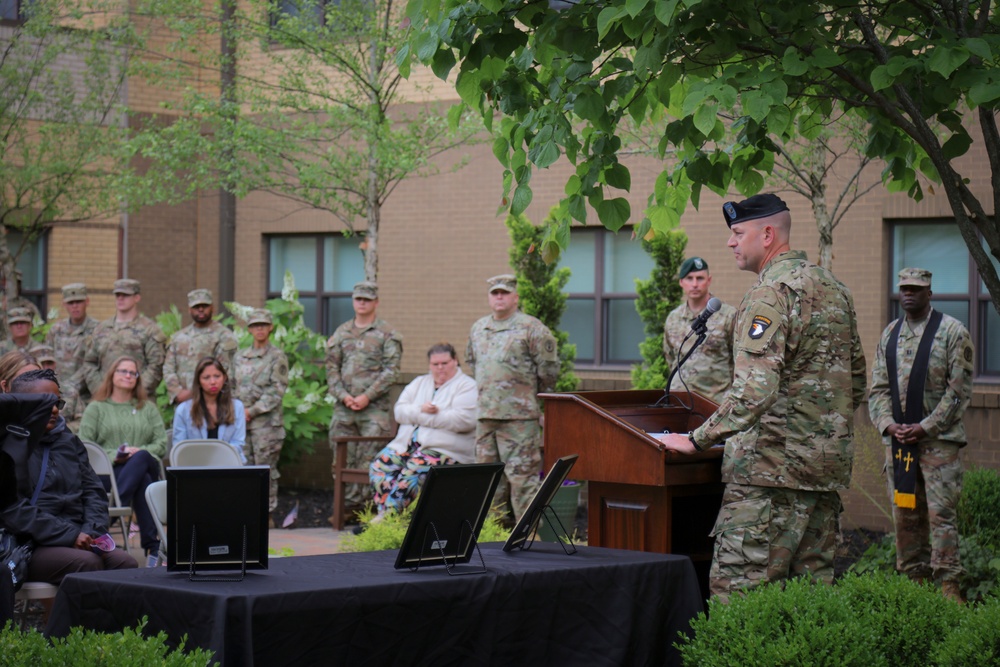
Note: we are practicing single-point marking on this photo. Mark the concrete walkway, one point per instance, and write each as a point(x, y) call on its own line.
point(307, 541)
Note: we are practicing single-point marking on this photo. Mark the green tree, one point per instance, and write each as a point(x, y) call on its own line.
point(917, 75)
point(314, 110)
point(656, 298)
point(540, 291)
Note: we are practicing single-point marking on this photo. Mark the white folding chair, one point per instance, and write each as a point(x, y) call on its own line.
point(34, 590)
point(196, 453)
point(156, 499)
point(101, 464)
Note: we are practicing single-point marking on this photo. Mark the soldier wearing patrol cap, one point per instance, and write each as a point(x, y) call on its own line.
point(921, 386)
point(261, 376)
point(19, 323)
point(67, 336)
point(709, 369)
point(362, 363)
point(204, 337)
point(127, 333)
point(44, 355)
point(788, 420)
point(512, 357)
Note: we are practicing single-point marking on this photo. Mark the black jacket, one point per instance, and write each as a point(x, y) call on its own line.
point(72, 499)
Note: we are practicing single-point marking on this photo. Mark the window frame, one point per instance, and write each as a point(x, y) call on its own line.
point(19, 19)
point(321, 295)
point(978, 300)
point(40, 295)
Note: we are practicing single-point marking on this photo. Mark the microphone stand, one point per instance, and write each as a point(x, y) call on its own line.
point(702, 333)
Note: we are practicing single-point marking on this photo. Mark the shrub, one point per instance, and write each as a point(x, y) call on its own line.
point(656, 298)
point(976, 640)
point(85, 648)
point(977, 510)
point(868, 621)
point(389, 533)
point(982, 568)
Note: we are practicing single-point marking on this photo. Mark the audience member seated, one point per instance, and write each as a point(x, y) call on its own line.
point(13, 364)
point(123, 421)
point(66, 513)
point(436, 414)
point(211, 412)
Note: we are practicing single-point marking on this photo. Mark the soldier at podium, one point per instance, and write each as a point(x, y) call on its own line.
point(709, 370)
point(788, 419)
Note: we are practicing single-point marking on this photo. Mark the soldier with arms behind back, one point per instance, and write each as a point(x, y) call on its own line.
point(921, 386)
point(788, 420)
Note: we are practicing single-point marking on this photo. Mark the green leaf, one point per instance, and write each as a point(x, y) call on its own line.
point(945, 60)
point(880, 77)
point(425, 45)
point(634, 7)
point(606, 18)
point(589, 106)
point(824, 58)
point(792, 62)
point(521, 199)
point(957, 145)
point(467, 86)
point(978, 47)
point(778, 119)
point(578, 208)
point(544, 153)
point(442, 63)
point(618, 176)
point(501, 150)
point(665, 11)
point(662, 218)
point(614, 213)
point(705, 117)
point(987, 92)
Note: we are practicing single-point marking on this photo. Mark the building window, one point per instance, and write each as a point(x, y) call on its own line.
point(14, 10)
point(600, 315)
point(31, 262)
point(312, 10)
point(958, 289)
point(325, 268)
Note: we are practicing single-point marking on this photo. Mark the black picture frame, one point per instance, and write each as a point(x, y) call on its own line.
point(450, 512)
point(224, 510)
point(528, 521)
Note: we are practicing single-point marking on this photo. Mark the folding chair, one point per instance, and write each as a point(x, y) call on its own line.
point(101, 464)
point(34, 590)
point(156, 499)
point(195, 453)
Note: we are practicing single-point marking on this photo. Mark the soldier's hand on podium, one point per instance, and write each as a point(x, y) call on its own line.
point(677, 442)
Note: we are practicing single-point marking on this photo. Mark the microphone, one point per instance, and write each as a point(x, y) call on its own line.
point(698, 326)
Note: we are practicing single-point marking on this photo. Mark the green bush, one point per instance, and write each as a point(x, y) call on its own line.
point(976, 640)
point(982, 568)
point(978, 509)
point(656, 297)
point(879, 557)
point(84, 648)
point(389, 533)
point(867, 621)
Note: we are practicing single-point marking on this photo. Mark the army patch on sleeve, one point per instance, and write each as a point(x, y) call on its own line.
point(758, 326)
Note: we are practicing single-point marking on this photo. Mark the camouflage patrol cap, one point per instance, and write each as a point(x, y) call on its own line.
point(199, 297)
point(692, 264)
point(505, 282)
point(259, 316)
point(126, 286)
point(752, 208)
point(43, 353)
point(365, 290)
point(914, 277)
point(19, 315)
point(74, 292)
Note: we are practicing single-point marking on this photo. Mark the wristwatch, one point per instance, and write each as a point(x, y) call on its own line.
point(693, 442)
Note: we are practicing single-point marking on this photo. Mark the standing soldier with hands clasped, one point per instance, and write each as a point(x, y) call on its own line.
point(261, 375)
point(362, 363)
point(204, 337)
point(921, 386)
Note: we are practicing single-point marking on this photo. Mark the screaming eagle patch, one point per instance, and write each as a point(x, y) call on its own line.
point(758, 326)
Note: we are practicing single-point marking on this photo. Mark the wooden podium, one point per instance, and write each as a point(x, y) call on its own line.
point(640, 496)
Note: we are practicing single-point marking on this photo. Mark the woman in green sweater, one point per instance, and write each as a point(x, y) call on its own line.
point(123, 421)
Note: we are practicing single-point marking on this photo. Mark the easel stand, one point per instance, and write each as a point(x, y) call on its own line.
point(193, 576)
point(562, 535)
point(450, 566)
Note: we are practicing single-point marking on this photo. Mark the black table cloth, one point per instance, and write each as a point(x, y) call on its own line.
point(541, 606)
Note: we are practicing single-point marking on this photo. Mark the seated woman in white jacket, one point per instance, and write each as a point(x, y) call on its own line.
point(436, 414)
point(211, 412)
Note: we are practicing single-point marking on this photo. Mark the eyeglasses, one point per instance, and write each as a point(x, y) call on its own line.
point(126, 372)
point(60, 404)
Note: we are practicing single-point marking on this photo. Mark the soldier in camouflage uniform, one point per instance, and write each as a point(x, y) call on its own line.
point(67, 338)
point(709, 370)
point(261, 374)
point(44, 355)
point(204, 337)
point(926, 531)
point(19, 322)
point(513, 358)
point(362, 363)
point(19, 302)
point(788, 419)
point(127, 333)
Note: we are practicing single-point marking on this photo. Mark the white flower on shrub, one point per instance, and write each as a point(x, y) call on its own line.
point(329, 399)
point(288, 291)
point(294, 373)
point(240, 311)
point(308, 401)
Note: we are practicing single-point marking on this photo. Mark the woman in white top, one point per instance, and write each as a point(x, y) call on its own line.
point(436, 414)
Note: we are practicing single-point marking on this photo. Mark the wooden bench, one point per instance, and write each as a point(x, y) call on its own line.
point(342, 475)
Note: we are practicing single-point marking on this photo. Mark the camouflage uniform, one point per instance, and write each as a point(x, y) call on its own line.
point(261, 381)
point(512, 360)
point(927, 537)
point(66, 340)
point(362, 361)
point(709, 371)
point(139, 338)
point(788, 422)
point(19, 302)
point(15, 315)
point(189, 346)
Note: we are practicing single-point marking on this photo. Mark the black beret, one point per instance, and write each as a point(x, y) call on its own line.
point(758, 206)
